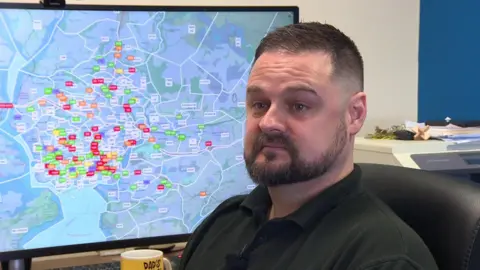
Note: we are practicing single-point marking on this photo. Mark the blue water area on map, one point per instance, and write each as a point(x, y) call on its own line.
point(17, 63)
point(79, 224)
point(35, 231)
point(28, 195)
point(21, 186)
point(16, 158)
point(3, 85)
point(3, 95)
point(126, 158)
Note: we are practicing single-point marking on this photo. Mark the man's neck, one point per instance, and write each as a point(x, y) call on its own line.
point(286, 199)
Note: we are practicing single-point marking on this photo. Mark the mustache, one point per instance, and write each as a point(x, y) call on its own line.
point(277, 138)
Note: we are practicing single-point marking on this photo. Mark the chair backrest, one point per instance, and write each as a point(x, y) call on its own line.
point(443, 210)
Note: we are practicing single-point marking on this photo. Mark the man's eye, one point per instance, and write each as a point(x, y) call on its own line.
point(259, 106)
point(299, 107)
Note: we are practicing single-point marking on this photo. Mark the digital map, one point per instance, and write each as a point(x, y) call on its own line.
point(121, 125)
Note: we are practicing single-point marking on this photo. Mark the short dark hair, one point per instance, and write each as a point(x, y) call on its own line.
point(346, 60)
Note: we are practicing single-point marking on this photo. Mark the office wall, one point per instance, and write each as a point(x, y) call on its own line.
point(449, 59)
point(386, 31)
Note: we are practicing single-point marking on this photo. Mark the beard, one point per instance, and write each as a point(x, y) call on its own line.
point(298, 169)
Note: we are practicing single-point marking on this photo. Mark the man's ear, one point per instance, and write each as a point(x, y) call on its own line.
point(356, 112)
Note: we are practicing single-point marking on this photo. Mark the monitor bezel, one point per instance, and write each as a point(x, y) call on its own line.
point(158, 240)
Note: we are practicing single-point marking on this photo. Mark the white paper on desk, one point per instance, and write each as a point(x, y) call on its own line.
point(449, 126)
point(460, 141)
point(452, 130)
point(441, 131)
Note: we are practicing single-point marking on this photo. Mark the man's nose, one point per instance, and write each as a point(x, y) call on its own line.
point(273, 121)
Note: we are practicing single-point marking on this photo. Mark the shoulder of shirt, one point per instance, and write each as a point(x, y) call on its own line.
point(378, 223)
point(232, 201)
point(393, 224)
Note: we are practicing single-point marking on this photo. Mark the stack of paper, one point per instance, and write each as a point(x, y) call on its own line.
point(449, 132)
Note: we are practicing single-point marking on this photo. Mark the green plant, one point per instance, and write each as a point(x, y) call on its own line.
point(385, 134)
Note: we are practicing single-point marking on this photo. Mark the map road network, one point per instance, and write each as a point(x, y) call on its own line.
point(120, 125)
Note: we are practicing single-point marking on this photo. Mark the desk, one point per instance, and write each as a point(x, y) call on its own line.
point(394, 152)
point(81, 259)
point(461, 160)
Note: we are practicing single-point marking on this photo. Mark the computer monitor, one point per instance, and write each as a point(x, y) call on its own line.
point(121, 126)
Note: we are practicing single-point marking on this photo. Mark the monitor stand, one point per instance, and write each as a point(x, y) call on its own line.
point(18, 264)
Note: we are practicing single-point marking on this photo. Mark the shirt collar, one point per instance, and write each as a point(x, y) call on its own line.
point(258, 201)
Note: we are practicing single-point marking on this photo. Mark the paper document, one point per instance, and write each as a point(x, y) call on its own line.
point(450, 132)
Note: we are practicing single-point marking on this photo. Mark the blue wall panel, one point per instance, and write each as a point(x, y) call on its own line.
point(449, 60)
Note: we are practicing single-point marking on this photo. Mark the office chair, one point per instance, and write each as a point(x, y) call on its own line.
point(443, 210)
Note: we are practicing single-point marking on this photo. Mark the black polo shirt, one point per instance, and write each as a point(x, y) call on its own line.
point(342, 228)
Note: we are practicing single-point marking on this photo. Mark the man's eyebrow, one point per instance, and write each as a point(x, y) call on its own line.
point(254, 89)
point(296, 89)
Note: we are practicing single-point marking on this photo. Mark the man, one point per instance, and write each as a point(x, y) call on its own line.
point(305, 104)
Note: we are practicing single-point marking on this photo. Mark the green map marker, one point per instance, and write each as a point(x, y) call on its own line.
point(169, 132)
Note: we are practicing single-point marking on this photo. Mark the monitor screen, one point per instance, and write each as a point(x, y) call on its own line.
point(121, 125)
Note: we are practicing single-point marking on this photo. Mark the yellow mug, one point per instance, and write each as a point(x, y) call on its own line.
point(144, 259)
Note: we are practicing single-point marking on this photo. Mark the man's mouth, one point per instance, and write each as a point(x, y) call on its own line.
point(274, 145)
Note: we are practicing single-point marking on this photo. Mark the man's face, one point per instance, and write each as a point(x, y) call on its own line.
point(295, 127)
